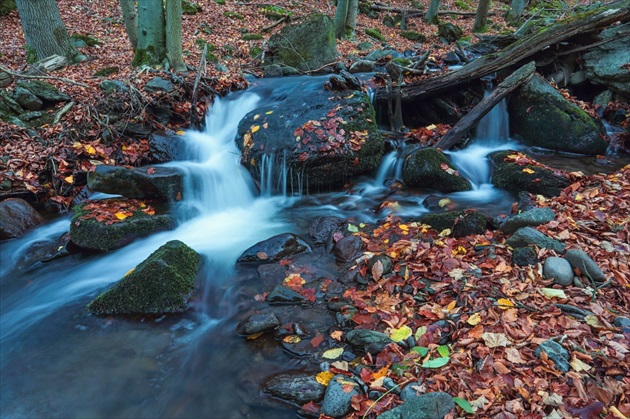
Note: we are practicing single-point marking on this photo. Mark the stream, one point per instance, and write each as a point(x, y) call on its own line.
point(59, 361)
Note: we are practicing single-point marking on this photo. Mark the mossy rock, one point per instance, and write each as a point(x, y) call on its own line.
point(540, 116)
point(375, 33)
point(45, 91)
point(449, 31)
point(93, 235)
point(461, 223)
point(190, 8)
point(163, 283)
point(413, 36)
point(428, 168)
point(516, 178)
point(155, 182)
point(81, 40)
point(252, 37)
point(233, 15)
point(106, 71)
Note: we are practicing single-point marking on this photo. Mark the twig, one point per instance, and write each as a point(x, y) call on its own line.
point(193, 103)
point(24, 76)
point(274, 24)
point(62, 112)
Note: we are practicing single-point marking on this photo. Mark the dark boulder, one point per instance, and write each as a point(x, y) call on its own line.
point(16, 217)
point(45, 91)
point(165, 148)
point(607, 64)
point(295, 387)
point(348, 249)
point(274, 249)
point(461, 223)
point(258, 323)
point(429, 168)
point(26, 99)
point(526, 236)
point(323, 228)
point(155, 182)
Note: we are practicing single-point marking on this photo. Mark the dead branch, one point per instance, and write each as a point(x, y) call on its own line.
point(27, 76)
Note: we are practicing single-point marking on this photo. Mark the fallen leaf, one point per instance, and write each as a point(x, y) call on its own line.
point(400, 334)
point(324, 377)
point(377, 272)
point(332, 353)
point(552, 293)
point(474, 319)
point(494, 340)
point(504, 303)
point(436, 362)
point(292, 339)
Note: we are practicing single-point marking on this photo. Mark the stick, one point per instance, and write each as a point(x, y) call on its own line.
point(24, 76)
point(62, 112)
point(193, 103)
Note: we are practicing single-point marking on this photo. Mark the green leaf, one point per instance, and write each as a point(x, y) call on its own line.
point(463, 403)
point(352, 228)
point(399, 369)
point(398, 335)
point(420, 350)
point(436, 363)
point(332, 353)
point(443, 351)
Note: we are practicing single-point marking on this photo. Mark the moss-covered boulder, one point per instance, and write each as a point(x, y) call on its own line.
point(307, 46)
point(461, 223)
point(428, 168)
point(163, 283)
point(154, 182)
point(45, 91)
point(607, 64)
point(511, 175)
point(113, 223)
point(540, 116)
point(318, 139)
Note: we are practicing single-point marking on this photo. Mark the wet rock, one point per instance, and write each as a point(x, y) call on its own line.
point(284, 295)
point(155, 182)
point(361, 66)
point(272, 274)
point(532, 218)
point(17, 217)
point(347, 249)
point(135, 129)
point(526, 236)
point(524, 256)
point(379, 54)
point(91, 234)
point(559, 270)
point(26, 99)
point(274, 249)
point(606, 63)
point(165, 148)
point(429, 168)
point(158, 84)
point(338, 396)
point(386, 263)
point(540, 116)
point(449, 31)
point(461, 223)
point(513, 177)
point(45, 251)
point(258, 323)
point(111, 86)
point(579, 259)
point(162, 283)
point(409, 391)
point(425, 406)
point(322, 229)
point(370, 340)
point(296, 387)
point(556, 353)
point(45, 91)
point(623, 323)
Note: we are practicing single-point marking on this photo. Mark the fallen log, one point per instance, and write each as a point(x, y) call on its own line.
point(511, 83)
point(521, 50)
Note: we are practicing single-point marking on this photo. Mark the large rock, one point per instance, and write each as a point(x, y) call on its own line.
point(425, 406)
point(513, 177)
point(579, 259)
point(339, 393)
point(91, 232)
point(45, 91)
point(542, 117)
point(26, 99)
point(258, 323)
point(274, 249)
point(16, 217)
point(296, 387)
point(163, 283)
point(316, 140)
point(526, 236)
point(429, 168)
point(607, 63)
point(368, 340)
point(533, 217)
point(165, 148)
point(155, 182)
point(306, 46)
point(461, 223)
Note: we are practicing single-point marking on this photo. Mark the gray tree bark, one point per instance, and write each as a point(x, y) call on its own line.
point(151, 49)
point(432, 12)
point(346, 18)
point(174, 35)
point(44, 31)
point(516, 9)
point(130, 17)
point(481, 18)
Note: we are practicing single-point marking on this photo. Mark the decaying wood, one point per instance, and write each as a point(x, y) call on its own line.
point(195, 92)
point(519, 51)
point(46, 65)
point(29, 76)
point(511, 83)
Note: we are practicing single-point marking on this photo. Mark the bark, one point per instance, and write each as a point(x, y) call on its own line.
point(511, 83)
point(520, 51)
point(174, 35)
point(351, 18)
point(481, 18)
point(340, 18)
point(151, 49)
point(432, 12)
point(516, 9)
point(130, 17)
point(44, 31)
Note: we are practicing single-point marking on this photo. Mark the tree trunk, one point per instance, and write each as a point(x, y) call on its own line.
point(174, 35)
point(351, 18)
point(516, 9)
point(340, 18)
point(432, 12)
point(151, 49)
point(44, 31)
point(481, 17)
point(130, 17)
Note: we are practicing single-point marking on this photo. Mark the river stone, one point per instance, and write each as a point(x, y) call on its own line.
point(322, 229)
point(361, 66)
point(337, 399)
point(162, 283)
point(542, 117)
point(607, 64)
point(579, 259)
point(429, 168)
point(45, 91)
point(527, 235)
point(272, 274)
point(294, 386)
point(461, 223)
point(26, 99)
point(284, 295)
point(315, 139)
point(524, 256)
point(274, 249)
point(258, 323)
point(515, 178)
point(370, 340)
point(425, 406)
point(348, 249)
point(556, 353)
point(165, 148)
point(16, 217)
point(307, 46)
point(90, 234)
point(533, 217)
point(158, 84)
point(155, 182)
point(559, 270)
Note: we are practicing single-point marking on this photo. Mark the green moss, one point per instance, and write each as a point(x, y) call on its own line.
point(233, 15)
point(375, 33)
point(274, 12)
point(107, 71)
point(251, 37)
point(255, 52)
point(221, 2)
point(461, 223)
point(190, 8)
point(463, 5)
point(147, 57)
point(405, 62)
point(7, 6)
point(86, 39)
point(413, 36)
point(31, 55)
point(428, 168)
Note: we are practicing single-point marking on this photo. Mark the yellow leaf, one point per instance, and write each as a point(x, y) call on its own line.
point(256, 117)
point(400, 334)
point(255, 128)
point(69, 179)
point(268, 112)
point(504, 303)
point(617, 413)
point(592, 321)
point(460, 250)
point(332, 353)
point(443, 202)
point(90, 150)
point(445, 232)
point(403, 227)
point(528, 170)
point(292, 339)
point(474, 320)
point(578, 365)
point(129, 272)
point(324, 377)
point(254, 336)
point(431, 127)
point(337, 334)
point(121, 215)
point(451, 306)
point(252, 162)
point(180, 132)
point(350, 96)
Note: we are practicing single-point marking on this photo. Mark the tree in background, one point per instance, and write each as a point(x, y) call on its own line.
point(44, 31)
point(481, 18)
point(346, 18)
point(432, 12)
point(515, 11)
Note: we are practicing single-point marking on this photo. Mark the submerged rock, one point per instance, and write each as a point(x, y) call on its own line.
point(274, 249)
point(429, 168)
point(165, 148)
point(17, 217)
point(296, 387)
point(425, 406)
point(163, 283)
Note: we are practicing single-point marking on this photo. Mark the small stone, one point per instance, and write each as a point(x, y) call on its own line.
point(559, 270)
point(258, 323)
point(524, 256)
point(362, 66)
point(370, 340)
point(556, 353)
point(16, 217)
point(158, 84)
point(623, 323)
point(526, 235)
point(294, 386)
point(579, 259)
point(533, 217)
point(338, 396)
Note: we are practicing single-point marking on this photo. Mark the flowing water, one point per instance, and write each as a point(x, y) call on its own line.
point(58, 361)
